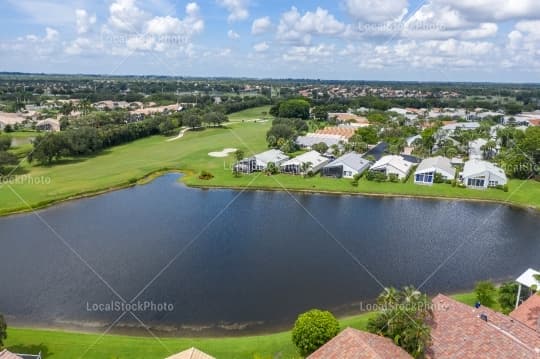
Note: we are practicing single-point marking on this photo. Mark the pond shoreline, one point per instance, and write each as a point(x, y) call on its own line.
point(184, 173)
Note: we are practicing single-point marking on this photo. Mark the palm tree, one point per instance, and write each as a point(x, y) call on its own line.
point(305, 167)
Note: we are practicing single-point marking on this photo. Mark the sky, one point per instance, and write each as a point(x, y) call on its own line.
point(405, 40)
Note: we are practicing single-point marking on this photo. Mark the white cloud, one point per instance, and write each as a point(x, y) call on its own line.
point(261, 25)
point(51, 34)
point(376, 11)
point(487, 29)
point(261, 47)
point(125, 16)
point(84, 21)
point(238, 9)
point(295, 27)
point(311, 54)
point(494, 10)
point(233, 35)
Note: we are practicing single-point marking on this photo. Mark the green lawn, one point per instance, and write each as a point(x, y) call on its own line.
point(65, 345)
point(128, 163)
point(250, 114)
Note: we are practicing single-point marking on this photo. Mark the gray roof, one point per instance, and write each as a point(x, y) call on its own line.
point(440, 163)
point(273, 155)
point(351, 159)
point(475, 167)
point(308, 141)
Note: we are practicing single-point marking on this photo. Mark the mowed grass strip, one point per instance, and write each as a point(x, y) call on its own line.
point(66, 345)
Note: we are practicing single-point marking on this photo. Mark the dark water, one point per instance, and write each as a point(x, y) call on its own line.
point(255, 266)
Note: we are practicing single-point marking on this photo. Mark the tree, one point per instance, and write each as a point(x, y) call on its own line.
point(485, 293)
point(366, 134)
point(239, 155)
point(507, 296)
point(5, 143)
point(192, 121)
point(313, 329)
point(295, 108)
point(403, 319)
point(279, 131)
point(3, 330)
point(7, 159)
point(320, 147)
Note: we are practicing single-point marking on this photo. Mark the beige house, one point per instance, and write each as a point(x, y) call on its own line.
point(191, 354)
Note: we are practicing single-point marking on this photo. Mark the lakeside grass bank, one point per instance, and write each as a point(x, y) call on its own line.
point(136, 162)
point(68, 345)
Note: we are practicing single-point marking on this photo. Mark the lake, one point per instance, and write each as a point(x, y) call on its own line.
point(230, 262)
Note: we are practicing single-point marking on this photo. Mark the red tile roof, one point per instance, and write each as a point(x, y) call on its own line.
point(535, 122)
point(346, 132)
point(529, 313)
point(355, 344)
point(5, 354)
point(459, 332)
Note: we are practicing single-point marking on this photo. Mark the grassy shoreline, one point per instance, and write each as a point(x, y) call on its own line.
point(59, 344)
point(142, 160)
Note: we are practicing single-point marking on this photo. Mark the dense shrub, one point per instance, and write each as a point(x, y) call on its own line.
point(206, 176)
point(507, 296)
point(485, 293)
point(313, 329)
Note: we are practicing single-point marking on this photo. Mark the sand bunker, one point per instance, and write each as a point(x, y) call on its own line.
point(224, 153)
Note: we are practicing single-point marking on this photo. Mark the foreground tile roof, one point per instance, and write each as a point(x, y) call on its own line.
point(458, 331)
point(191, 354)
point(529, 313)
point(5, 354)
point(355, 344)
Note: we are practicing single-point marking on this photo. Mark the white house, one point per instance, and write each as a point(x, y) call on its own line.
point(260, 161)
point(346, 166)
point(475, 149)
point(313, 160)
point(393, 165)
point(482, 174)
point(49, 124)
point(425, 173)
point(311, 139)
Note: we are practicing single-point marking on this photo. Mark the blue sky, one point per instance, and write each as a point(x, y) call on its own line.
point(432, 40)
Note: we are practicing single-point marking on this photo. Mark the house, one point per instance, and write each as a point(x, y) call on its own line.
point(260, 161)
point(350, 118)
point(530, 279)
point(355, 344)
point(528, 313)
point(191, 353)
point(346, 166)
point(482, 174)
point(311, 161)
point(397, 165)
point(344, 131)
point(425, 173)
point(311, 139)
point(476, 149)
point(461, 331)
point(5, 354)
point(49, 125)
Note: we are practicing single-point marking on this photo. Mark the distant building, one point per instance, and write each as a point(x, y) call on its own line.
point(425, 173)
point(476, 151)
point(260, 161)
point(346, 166)
point(49, 125)
point(311, 139)
point(482, 174)
point(397, 165)
point(313, 160)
